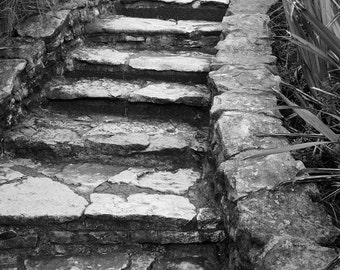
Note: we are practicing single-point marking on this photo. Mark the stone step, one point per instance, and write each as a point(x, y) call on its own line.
point(98, 204)
point(133, 99)
point(161, 65)
point(208, 10)
point(154, 34)
point(47, 135)
point(124, 261)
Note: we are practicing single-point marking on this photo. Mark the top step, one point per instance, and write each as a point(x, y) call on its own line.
point(154, 34)
point(208, 10)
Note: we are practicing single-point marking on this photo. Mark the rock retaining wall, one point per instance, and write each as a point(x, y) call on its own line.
point(269, 227)
point(40, 45)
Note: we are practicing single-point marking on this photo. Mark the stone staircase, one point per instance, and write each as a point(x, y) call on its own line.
point(111, 173)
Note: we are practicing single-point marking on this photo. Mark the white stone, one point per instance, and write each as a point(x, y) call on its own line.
point(100, 88)
point(128, 25)
point(40, 197)
point(172, 93)
point(103, 56)
point(177, 183)
point(161, 142)
point(171, 63)
point(141, 205)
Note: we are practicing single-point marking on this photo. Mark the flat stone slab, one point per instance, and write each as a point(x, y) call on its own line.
point(131, 25)
point(242, 177)
point(140, 205)
point(236, 132)
point(289, 211)
point(145, 60)
point(138, 91)
point(43, 26)
point(177, 183)
point(243, 78)
point(100, 137)
point(39, 198)
point(103, 56)
point(117, 261)
point(250, 7)
point(9, 70)
point(244, 102)
point(298, 253)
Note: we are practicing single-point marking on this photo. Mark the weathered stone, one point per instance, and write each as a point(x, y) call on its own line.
point(207, 218)
point(28, 240)
point(290, 211)
point(179, 265)
point(31, 51)
point(116, 261)
point(43, 26)
point(242, 177)
point(9, 71)
point(39, 198)
point(236, 132)
point(102, 56)
point(197, 95)
point(286, 252)
point(85, 177)
point(140, 206)
point(100, 88)
point(126, 25)
point(244, 79)
point(244, 102)
point(242, 58)
point(99, 138)
point(121, 143)
point(251, 7)
point(177, 237)
point(238, 42)
point(252, 24)
point(176, 183)
point(153, 92)
point(142, 261)
point(7, 174)
point(178, 63)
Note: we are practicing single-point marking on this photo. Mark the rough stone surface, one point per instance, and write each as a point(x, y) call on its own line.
point(9, 70)
point(236, 132)
point(142, 261)
point(176, 183)
point(242, 177)
point(139, 91)
point(244, 102)
point(104, 56)
point(197, 95)
point(84, 88)
point(250, 7)
point(239, 78)
point(92, 139)
point(255, 25)
point(119, 24)
point(299, 253)
point(85, 177)
point(173, 63)
point(43, 26)
point(118, 261)
point(290, 211)
point(140, 206)
point(38, 197)
point(158, 61)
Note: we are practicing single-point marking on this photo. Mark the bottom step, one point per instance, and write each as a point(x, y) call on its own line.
point(191, 257)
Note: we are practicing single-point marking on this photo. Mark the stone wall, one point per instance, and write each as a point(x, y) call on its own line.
point(40, 44)
point(271, 226)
